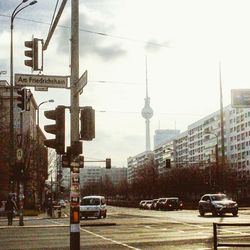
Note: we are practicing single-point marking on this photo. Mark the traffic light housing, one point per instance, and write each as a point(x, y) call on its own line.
point(32, 53)
point(58, 129)
point(168, 163)
point(87, 124)
point(108, 163)
point(22, 98)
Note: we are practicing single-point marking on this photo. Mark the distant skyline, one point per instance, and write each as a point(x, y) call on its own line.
point(184, 41)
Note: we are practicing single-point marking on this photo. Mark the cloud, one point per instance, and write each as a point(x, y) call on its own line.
point(93, 37)
point(153, 45)
point(6, 6)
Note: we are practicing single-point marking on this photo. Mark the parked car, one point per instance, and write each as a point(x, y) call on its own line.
point(93, 206)
point(154, 204)
point(148, 204)
point(217, 204)
point(171, 203)
point(142, 204)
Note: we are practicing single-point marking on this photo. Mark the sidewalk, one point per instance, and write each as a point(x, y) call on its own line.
point(30, 221)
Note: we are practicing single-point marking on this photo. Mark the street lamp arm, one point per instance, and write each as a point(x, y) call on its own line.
point(19, 11)
point(14, 14)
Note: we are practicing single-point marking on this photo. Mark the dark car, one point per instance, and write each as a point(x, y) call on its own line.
point(217, 204)
point(154, 204)
point(171, 203)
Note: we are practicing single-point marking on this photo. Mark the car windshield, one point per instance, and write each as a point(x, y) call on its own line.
point(90, 201)
point(172, 200)
point(219, 197)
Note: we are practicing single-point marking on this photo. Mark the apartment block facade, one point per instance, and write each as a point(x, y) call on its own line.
point(197, 145)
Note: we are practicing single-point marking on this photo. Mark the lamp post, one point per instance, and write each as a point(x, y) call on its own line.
point(12, 143)
point(38, 107)
point(37, 153)
point(216, 155)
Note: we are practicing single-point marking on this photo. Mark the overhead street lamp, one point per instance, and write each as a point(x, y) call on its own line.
point(37, 151)
point(14, 14)
point(38, 107)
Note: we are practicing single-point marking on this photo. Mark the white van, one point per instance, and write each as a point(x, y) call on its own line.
point(93, 206)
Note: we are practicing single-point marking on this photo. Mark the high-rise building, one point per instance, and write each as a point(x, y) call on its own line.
point(162, 135)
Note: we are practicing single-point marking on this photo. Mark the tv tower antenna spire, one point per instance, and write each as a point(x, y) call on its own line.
point(147, 112)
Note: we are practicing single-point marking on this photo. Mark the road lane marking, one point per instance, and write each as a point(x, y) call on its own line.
point(107, 239)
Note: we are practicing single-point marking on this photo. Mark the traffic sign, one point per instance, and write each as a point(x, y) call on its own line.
point(82, 82)
point(240, 98)
point(41, 80)
point(41, 88)
point(19, 154)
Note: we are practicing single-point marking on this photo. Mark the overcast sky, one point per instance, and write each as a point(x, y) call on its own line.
point(183, 40)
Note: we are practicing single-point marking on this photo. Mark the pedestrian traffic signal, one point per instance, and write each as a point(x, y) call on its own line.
point(168, 163)
point(58, 129)
point(32, 53)
point(22, 98)
point(108, 163)
point(87, 124)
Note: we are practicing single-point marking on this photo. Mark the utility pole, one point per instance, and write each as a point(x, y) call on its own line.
point(74, 165)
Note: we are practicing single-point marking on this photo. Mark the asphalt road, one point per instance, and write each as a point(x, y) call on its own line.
point(127, 228)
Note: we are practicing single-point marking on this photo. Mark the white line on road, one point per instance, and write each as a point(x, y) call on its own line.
point(113, 241)
point(105, 238)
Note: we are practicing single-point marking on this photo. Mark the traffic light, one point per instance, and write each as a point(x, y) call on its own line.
point(32, 53)
point(108, 163)
point(58, 129)
point(168, 163)
point(22, 98)
point(87, 124)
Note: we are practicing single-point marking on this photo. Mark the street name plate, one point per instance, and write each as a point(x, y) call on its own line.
point(82, 82)
point(240, 98)
point(41, 81)
point(41, 88)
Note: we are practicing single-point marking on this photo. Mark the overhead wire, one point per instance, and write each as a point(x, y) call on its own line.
point(53, 17)
point(95, 32)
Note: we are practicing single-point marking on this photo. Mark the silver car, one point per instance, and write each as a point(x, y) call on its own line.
point(217, 204)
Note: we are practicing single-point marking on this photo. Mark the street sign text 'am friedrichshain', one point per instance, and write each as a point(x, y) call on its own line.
point(41, 81)
point(240, 98)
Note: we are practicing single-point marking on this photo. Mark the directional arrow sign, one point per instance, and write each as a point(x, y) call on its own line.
point(82, 82)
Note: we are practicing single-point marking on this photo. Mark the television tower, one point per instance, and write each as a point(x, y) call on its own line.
point(147, 112)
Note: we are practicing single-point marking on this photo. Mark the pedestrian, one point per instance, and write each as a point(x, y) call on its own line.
point(9, 208)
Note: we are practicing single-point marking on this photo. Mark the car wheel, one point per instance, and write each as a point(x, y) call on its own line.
point(221, 214)
point(85, 217)
point(105, 215)
point(235, 213)
point(201, 211)
point(214, 213)
point(100, 215)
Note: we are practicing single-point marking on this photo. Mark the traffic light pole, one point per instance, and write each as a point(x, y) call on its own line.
point(74, 165)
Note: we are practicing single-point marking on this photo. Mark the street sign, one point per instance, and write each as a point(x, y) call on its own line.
point(240, 98)
point(41, 88)
point(82, 82)
point(41, 81)
point(19, 154)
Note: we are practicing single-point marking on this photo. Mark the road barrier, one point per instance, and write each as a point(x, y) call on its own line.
point(215, 232)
